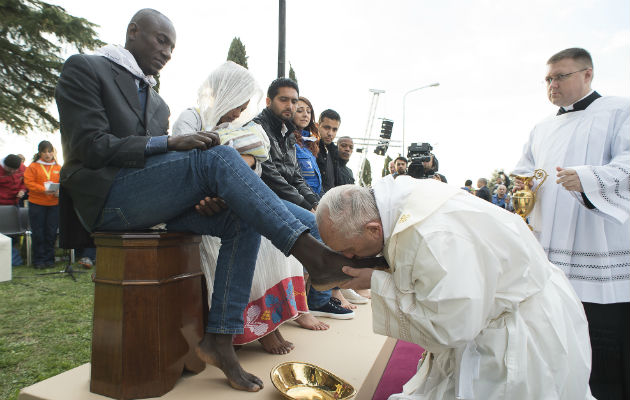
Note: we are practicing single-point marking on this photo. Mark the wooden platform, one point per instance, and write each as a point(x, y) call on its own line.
point(349, 349)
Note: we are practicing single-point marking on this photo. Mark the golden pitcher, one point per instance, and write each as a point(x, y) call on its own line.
point(523, 200)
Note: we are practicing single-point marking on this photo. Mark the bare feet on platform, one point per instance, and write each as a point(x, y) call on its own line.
point(324, 265)
point(216, 349)
point(336, 293)
point(286, 343)
point(365, 293)
point(308, 321)
point(274, 343)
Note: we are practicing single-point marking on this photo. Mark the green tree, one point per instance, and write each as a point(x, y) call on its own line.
point(292, 74)
point(385, 172)
point(32, 34)
point(237, 52)
point(366, 176)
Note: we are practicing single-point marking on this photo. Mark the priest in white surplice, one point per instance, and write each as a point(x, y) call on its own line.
point(468, 282)
point(581, 217)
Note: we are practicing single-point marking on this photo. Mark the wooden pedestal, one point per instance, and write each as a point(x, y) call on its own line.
point(148, 314)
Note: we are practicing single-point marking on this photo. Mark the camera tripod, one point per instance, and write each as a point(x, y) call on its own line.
point(68, 270)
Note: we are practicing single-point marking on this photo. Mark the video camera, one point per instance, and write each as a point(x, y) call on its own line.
point(416, 155)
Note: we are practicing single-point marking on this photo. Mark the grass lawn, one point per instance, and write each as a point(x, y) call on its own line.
point(45, 326)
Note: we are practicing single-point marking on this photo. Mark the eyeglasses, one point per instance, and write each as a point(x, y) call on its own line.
point(562, 77)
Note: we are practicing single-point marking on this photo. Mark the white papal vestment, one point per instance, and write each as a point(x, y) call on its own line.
point(592, 247)
point(469, 282)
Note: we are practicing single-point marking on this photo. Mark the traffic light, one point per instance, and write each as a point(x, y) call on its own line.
point(386, 128)
point(386, 134)
point(381, 149)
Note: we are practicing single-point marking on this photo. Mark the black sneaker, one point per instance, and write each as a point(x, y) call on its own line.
point(332, 309)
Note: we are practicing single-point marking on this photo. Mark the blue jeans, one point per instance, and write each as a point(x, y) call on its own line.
point(168, 188)
point(315, 298)
point(44, 223)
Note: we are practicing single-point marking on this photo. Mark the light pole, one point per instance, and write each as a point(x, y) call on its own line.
point(404, 102)
point(282, 36)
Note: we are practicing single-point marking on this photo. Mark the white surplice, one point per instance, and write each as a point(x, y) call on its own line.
point(469, 283)
point(592, 247)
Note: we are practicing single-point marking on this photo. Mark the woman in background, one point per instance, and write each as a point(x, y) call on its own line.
point(306, 151)
point(42, 181)
point(227, 99)
point(307, 146)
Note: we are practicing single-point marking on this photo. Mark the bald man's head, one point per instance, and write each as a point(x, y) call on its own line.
point(151, 40)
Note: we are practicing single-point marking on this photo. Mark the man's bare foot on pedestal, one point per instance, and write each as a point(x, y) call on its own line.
point(365, 293)
point(308, 321)
point(216, 349)
point(324, 265)
point(274, 344)
point(336, 293)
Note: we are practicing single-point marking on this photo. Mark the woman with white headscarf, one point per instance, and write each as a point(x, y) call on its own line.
point(228, 98)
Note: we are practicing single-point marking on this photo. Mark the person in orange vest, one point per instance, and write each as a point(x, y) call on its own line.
point(42, 180)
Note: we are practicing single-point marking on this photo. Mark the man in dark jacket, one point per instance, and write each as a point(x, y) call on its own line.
point(283, 175)
point(483, 191)
point(344, 176)
point(281, 171)
point(345, 146)
point(329, 121)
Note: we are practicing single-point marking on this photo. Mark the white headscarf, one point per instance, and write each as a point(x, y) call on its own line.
point(125, 59)
point(228, 87)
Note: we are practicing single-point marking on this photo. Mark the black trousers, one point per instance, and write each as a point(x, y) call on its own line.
point(44, 223)
point(609, 328)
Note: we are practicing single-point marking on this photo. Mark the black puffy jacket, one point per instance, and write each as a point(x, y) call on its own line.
point(344, 174)
point(328, 153)
point(281, 171)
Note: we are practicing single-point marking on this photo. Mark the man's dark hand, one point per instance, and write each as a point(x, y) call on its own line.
point(199, 140)
point(210, 206)
point(249, 160)
point(361, 278)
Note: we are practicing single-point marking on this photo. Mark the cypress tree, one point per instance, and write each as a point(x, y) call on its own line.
point(385, 171)
point(292, 74)
point(366, 176)
point(237, 52)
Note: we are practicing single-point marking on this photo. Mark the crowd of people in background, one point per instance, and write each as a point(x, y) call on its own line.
point(36, 187)
point(498, 195)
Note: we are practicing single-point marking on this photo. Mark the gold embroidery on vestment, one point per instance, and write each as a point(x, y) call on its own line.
point(403, 218)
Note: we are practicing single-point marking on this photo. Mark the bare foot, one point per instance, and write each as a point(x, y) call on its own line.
point(336, 293)
point(216, 349)
point(273, 345)
point(365, 293)
point(308, 321)
point(285, 342)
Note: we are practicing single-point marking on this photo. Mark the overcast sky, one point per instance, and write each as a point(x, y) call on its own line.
point(488, 56)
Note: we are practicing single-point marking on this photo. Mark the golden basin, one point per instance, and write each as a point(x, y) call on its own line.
point(304, 381)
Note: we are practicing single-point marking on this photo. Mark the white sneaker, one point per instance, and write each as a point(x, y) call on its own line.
point(354, 297)
point(86, 263)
